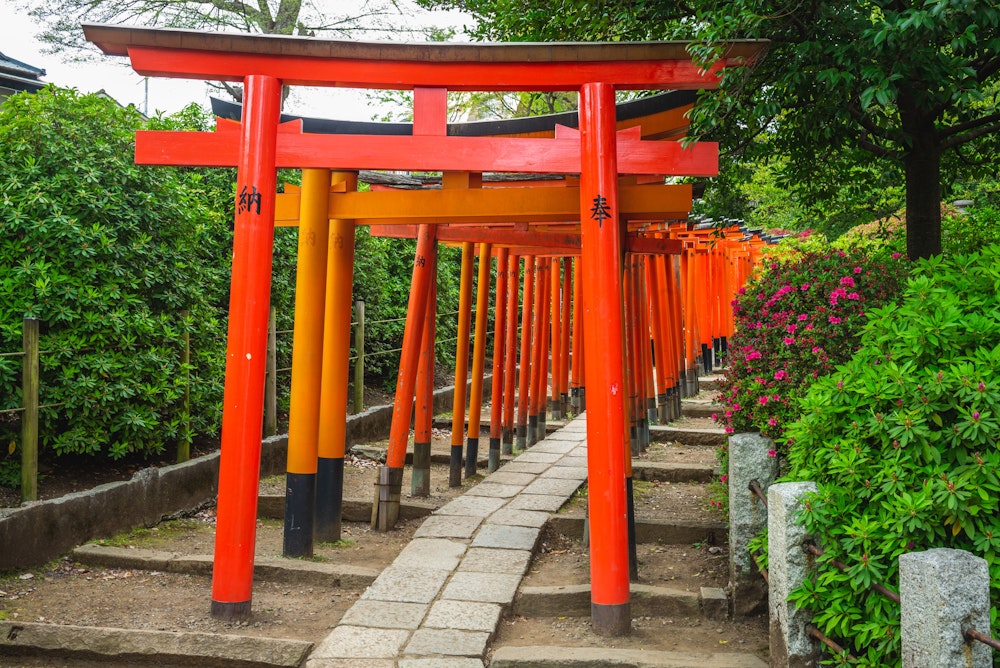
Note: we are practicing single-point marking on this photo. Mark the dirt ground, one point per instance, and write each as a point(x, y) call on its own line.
point(64, 592)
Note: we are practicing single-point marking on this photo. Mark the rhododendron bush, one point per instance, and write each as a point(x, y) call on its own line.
point(902, 443)
point(797, 319)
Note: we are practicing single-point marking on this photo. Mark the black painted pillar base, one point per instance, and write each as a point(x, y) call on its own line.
point(455, 467)
point(329, 498)
point(633, 439)
point(420, 484)
point(471, 456)
point(521, 438)
point(555, 408)
point(651, 414)
point(387, 490)
point(682, 386)
point(494, 461)
point(532, 429)
point(540, 432)
point(642, 434)
point(507, 441)
point(566, 407)
point(611, 620)
point(300, 504)
point(706, 358)
point(662, 412)
point(231, 611)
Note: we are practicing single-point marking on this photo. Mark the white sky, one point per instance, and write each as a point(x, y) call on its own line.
point(116, 78)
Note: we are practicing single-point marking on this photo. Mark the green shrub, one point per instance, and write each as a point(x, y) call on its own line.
point(107, 255)
point(902, 441)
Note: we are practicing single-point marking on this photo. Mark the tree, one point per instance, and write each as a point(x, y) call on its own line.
point(61, 19)
point(884, 85)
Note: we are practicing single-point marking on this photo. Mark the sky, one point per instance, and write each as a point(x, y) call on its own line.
point(116, 78)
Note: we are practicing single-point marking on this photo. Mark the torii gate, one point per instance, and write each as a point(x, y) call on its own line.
point(263, 63)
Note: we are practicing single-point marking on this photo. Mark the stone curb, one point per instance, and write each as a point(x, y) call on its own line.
point(666, 433)
point(272, 507)
point(163, 647)
point(651, 531)
point(698, 409)
point(318, 574)
point(646, 601)
point(672, 472)
point(596, 657)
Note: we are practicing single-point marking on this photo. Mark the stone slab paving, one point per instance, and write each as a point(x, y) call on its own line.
point(439, 603)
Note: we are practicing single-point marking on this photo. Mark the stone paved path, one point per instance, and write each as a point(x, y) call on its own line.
point(439, 603)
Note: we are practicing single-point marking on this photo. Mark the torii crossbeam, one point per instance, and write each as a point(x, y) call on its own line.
point(264, 63)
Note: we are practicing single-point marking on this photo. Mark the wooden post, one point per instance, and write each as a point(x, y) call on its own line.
point(271, 377)
point(478, 360)
point(331, 431)
point(390, 481)
point(249, 303)
point(359, 363)
point(602, 249)
point(499, 332)
point(29, 417)
point(184, 446)
point(461, 367)
point(307, 363)
point(420, 482)
point(510, 355)
point(524, 364)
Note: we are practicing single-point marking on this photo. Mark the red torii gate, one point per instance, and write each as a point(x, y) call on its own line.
point(265, 63)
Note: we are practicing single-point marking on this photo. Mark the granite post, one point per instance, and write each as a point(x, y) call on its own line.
point(942, 593)
point(749, 459)
point(788, 566)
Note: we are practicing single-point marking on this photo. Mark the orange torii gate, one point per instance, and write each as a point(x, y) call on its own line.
point(265, 63)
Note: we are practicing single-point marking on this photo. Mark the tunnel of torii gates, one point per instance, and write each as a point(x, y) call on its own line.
point(606, 206)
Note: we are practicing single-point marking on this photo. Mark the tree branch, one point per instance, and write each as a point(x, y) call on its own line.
point(969, 136)
point(969, 125)
point(871, 128)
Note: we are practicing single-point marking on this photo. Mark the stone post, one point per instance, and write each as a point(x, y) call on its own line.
point(788, 565)
point(942, 593)
point(748, 460)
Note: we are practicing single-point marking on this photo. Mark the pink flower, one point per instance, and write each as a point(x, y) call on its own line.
point(780, 375)
point(834, 320)
point(848, 281)
point(772, 453)
point(805, 286)
point(788, 340)
point(715, 417)
point(896, 256)
point(804, 316)
point(723, 478)
point(809, 327)
point(729, 430)
point(857, 270)
point(854, 296)
point(763, 400)
point(736, 407)
point(790, 329)
point(773, 422)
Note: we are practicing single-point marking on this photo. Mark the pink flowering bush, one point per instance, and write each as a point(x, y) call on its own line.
point(797, 319)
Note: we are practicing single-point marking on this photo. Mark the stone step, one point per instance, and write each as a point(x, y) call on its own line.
point(272, 507)
point(646, 601)
point(543, 656)
point(652, 531)
point(130, 646)
point(672, 471)
point(271, 569)
point(709, 437)
point(710, 383)
point(698, 408)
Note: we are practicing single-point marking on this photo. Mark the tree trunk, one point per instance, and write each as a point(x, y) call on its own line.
point(922, 163)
